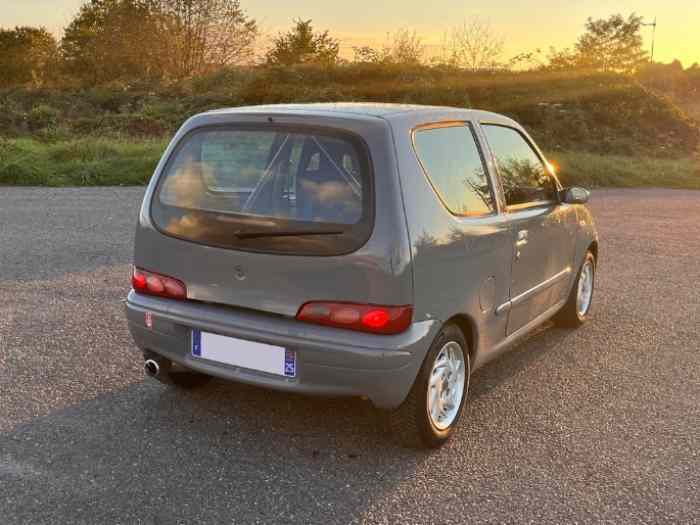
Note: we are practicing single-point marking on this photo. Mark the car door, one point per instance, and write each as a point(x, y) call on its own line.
point(462, 241)
point(542, 229)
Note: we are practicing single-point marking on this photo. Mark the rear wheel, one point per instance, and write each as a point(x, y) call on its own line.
point(578, 305)
point(431, 412)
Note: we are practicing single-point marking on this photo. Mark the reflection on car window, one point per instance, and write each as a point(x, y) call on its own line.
point(454, 165)
point(524, 177)
point(288, 175)
point(234, 163)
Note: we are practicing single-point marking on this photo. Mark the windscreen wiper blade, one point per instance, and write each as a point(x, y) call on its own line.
point(291, 233)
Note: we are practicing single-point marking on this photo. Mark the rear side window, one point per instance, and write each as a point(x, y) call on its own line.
point(524, 177)
point(267, 189)
point(453, 163)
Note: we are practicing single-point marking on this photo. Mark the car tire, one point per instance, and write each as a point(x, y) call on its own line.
point(578, 306)
point(173, 375)
point(428, 422)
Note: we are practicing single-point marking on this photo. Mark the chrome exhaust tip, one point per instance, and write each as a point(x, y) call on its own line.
point(151, 367)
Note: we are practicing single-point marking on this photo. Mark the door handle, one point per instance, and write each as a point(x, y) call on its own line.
point(520, 242)
point(522, 238)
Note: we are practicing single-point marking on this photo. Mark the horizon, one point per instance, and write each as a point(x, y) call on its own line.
point(352, 26)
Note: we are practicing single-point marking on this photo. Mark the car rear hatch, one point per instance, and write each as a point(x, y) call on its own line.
point(268, 211)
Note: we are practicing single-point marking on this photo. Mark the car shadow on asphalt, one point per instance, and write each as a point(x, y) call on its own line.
point(541, 344)
point(163, 455)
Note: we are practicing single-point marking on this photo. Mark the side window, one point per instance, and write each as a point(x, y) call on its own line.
point(453, 164)
point(524, 177)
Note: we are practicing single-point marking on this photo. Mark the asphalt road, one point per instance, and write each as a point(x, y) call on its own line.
point(596, 425)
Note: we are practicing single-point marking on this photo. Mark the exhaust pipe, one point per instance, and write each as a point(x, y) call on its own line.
point(151, 367)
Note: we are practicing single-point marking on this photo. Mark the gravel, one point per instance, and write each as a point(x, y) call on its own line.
point(598, 425)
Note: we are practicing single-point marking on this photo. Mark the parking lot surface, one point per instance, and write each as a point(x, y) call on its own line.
point(601, 424)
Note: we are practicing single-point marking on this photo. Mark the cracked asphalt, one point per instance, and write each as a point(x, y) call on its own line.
point(597, 425)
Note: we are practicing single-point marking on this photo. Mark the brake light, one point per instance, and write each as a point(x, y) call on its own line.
point(362, 317)
point(150, 283)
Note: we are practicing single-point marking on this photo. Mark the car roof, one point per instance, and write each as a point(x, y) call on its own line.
point(363, 110)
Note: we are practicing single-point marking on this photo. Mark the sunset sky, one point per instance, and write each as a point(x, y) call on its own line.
point(525, 25)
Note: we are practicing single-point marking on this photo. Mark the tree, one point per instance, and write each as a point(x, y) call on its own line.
point(611, 44)
point(205, 34)
point(366, 55)
point(27, 56)
point(141, 39)
point(561, 59)
point(527, 60)
point(474, 46)
point(405, 47)
point(302, 45)
point(112, 40)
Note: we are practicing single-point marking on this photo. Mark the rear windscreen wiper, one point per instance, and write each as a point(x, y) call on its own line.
point(294, 233)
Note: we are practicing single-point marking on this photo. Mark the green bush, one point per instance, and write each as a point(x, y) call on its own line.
point(42, 117)
point(110, 99)
point(565, 111)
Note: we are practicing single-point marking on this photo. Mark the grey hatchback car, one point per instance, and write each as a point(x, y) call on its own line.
point(375, 250)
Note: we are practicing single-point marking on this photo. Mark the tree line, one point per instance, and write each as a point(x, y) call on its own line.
point(170, 40)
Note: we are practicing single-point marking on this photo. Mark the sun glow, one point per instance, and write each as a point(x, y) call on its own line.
point(366, 22)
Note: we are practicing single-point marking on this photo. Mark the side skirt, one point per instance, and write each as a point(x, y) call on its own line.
point(507, 343)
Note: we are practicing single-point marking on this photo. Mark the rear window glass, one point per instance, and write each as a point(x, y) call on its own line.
point(454, 165)
point(267, 189)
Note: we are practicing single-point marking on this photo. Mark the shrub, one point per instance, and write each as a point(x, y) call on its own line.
point(600, 113)
point(42, 117)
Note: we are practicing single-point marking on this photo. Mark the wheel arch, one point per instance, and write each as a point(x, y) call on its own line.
point(593, 248)
point(470, 332)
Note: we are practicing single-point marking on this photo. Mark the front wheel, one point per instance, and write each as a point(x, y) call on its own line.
point(575, 312)
point(431, 412)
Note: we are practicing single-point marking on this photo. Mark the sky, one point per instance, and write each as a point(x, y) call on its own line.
point(525, 25)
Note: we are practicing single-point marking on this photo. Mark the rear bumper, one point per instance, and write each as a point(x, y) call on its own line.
point(329, 361)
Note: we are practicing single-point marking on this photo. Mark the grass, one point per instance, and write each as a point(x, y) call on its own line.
point(606, 130)
point(593, 170)
point(102, 162)
point(78, 162)
point(603, 129)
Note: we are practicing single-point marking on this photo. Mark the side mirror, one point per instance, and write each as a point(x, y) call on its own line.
point(575, 195)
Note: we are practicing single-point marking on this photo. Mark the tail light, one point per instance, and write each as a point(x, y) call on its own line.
point(150, 283)
point(361, 317)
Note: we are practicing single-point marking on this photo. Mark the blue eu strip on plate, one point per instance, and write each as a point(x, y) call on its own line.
point(196, 343)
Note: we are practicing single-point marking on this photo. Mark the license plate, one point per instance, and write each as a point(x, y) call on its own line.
point(245, 354)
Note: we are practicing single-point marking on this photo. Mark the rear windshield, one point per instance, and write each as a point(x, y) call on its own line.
point(267, 189)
